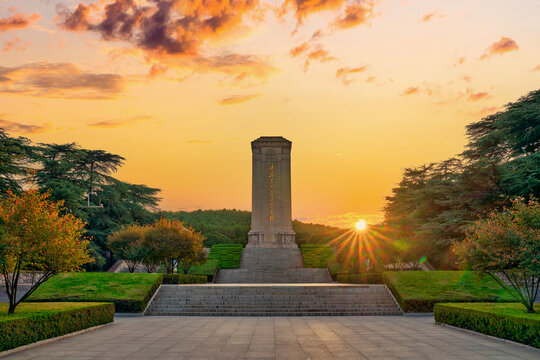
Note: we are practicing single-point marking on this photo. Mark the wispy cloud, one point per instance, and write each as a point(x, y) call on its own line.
point(237, 99)
point(536, 68)
point(115, 123)
point(411, 90)
point(503, 46)
point(431, 16)
point(14, 45)
point(319, 54)
point(487, 110)
point(345, 74)
point(357, 13)
point(20, 128)
point(459, 61)
point(298, 50)
point(60, 80)
point(303, 8)
point(17, 21)
point(475, 96)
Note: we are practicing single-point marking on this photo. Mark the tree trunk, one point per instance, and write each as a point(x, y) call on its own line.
point(12, 306)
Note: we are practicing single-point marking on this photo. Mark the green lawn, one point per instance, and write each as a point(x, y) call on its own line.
point(316, 255)
point(208, 268)
point(33, 322)
point(228, 255)
point(418, 291)
point(507, 321)
point(129, 292)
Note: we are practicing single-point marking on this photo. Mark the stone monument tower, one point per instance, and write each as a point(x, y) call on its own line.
point(271, 222)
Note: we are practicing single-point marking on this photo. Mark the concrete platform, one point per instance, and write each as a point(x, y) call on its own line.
point(291, 338)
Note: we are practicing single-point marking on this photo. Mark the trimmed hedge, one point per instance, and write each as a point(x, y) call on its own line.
point(208, 269)
point(228, 255)
point(419, 291)
point(184, 279)
point(130, 293)
point(506, 321)
point(33, 322)
point(316, 255)
point(365, 278)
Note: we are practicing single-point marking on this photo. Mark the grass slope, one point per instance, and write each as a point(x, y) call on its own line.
point(316, 255)
point(129, 292)
point(228, 255)
point(418, 291)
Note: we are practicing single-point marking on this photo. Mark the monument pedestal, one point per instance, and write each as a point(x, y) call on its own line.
point(271, 239)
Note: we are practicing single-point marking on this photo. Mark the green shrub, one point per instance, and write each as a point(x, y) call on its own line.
point(184, 279)
point(418, 291)
point(316, 255)
point(506, 321)
point(129, 292)
point(365, 278)
point(33, 322)
point(208, 269)
point(228, 255)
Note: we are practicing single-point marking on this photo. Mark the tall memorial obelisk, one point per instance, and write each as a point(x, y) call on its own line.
point(271, 222)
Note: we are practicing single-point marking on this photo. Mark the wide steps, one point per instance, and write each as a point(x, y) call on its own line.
point(273, 300)
point(289, 276)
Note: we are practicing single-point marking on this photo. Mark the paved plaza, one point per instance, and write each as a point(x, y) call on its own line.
point(363, 337)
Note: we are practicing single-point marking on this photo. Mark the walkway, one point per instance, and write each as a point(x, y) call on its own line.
point(365, 337)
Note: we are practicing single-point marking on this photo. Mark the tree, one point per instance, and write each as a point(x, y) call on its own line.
point(128, 244)
point(172, 243)
point(434, 204)
point(36, 236)
point(14, 156)
point(507, 243)
point(83, 180)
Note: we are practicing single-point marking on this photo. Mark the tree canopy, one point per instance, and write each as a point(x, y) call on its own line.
point(433, 204)
point(83, 179)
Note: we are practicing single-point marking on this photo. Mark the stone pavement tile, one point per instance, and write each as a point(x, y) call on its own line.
point(239, 340)
point(262, 340)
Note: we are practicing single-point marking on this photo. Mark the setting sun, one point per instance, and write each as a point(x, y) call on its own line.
point(361, 225)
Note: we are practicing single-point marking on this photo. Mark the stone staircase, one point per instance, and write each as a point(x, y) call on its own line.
point(273, 300)
point(272, 265)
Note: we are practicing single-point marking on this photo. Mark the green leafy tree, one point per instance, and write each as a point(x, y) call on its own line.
point(36, 236)
point(507, 243)
point(83, 180)
point(433, 204)
point(128, 244)
point(171, 243)
point(15, 155)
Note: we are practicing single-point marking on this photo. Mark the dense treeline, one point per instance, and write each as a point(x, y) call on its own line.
point(218, 226)
point(83, 180)
point(232, 227)
point(433, 204)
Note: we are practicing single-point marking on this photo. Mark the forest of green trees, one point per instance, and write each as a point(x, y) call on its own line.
point(434, 204)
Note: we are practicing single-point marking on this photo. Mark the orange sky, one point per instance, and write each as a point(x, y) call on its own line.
point(363, 89)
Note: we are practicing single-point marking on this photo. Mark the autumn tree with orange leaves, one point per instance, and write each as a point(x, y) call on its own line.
point(36, 237)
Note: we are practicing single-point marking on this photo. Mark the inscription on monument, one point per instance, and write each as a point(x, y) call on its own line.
point(271, 185)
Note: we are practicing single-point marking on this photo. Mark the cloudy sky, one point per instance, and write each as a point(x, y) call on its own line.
point(362, 88)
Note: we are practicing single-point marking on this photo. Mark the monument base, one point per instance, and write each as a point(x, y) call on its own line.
point(271, 239)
